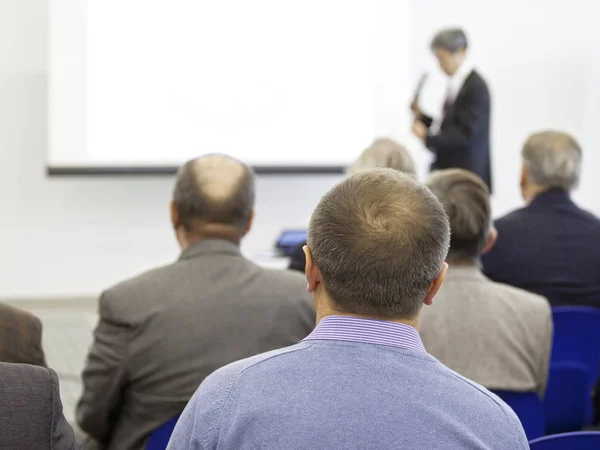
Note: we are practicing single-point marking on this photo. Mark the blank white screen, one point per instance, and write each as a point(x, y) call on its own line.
point(272, 82)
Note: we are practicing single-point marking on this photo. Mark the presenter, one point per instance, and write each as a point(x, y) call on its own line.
point(461, 138)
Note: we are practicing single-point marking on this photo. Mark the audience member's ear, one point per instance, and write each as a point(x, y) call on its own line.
point(175, 221)
point(313, 275)
point(250, 223)
point(491, 241)
point(435, 285)
point(523, 182)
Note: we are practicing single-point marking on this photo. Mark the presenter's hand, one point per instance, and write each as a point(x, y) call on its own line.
point(415, 107)
point(419, 129)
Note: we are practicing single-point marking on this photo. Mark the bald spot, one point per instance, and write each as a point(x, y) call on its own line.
point(215, 189)
point(218, 177)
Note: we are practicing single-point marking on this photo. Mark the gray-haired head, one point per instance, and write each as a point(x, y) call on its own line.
point(379, 239)
point(384, 153)
point(552, 159)
point(466, 200)
point(451, 39)
point(214, 189)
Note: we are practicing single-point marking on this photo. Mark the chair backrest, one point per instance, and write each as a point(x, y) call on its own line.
point(577, 339)
point(589, 440)
point(577, 335)
point(566, 397)
point(159, 439)
point(529, 409)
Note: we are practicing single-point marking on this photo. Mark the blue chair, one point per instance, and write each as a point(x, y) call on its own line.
point(159, 439)
point(529, 409)
point(566, 397)
point(568, 441)
point(577, 339)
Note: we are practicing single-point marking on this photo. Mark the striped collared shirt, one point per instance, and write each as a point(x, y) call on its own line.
point(369, 331)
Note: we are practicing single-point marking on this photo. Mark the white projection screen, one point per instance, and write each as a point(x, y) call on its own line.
point(285, 86)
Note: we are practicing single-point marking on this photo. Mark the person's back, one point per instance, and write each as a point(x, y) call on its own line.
point(506, 344)
point(31, 411)
point(362, 379)
point(348, 395)
point(558, 244)
point(161, 333)
point(20, 337)
point(550, 246)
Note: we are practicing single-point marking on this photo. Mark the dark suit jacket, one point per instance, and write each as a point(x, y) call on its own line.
point(20, 337)
point(160, 334)
point(30, 410)
point(550, 247)
point(463, 140)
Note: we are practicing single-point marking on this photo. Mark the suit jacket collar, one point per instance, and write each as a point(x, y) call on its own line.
point(554, 196)
point(457, 272)
point(210, 247)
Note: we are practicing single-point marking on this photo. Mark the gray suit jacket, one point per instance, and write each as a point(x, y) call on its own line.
point(30, 410)
point(496, 335)
point(160, 334)
point(20, 337)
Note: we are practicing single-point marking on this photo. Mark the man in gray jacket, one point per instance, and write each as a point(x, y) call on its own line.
point(496, 335)
point(161, 333)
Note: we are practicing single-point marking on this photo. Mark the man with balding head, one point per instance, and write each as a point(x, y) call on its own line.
point(362, 379)
point(161, 333)
point(550, 246)
point(491, 333)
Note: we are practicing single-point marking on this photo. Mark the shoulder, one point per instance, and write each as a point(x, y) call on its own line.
point(521, 300)
point(13, 314)
point(247, 367)
point(219, 385)
point(128, 298)
point(498, 413)
point(513, 218)
point(476, 79)
point(27, 377)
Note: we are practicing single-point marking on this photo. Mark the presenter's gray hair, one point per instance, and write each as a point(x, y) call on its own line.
point(552, 159)
point(384, 153)
point(451, 39)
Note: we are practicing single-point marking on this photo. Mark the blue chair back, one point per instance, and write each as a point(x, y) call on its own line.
point(589, 440)
point(566, 397)
point(159, 439)
point(577, 339)
point(529, 409)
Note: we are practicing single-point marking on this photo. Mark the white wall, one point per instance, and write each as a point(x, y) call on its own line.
point(76, 236)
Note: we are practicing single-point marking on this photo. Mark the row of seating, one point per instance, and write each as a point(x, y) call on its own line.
point(567, 405)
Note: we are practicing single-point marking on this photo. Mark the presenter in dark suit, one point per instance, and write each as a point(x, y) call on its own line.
point(461, 139)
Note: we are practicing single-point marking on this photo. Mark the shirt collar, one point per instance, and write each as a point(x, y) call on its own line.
point(367, 331)
point(458, 79)
point(210, 247)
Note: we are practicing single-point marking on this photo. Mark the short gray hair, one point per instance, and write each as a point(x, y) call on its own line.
point(552, 159)
point(451, 39)
point(379, 239)
point(466, 199)
point(384, 153)
point(214, 189)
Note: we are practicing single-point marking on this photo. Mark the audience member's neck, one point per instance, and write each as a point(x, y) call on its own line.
point(327, 311)
point(208, 231)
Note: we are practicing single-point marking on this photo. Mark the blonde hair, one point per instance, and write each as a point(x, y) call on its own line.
point(384, 153)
